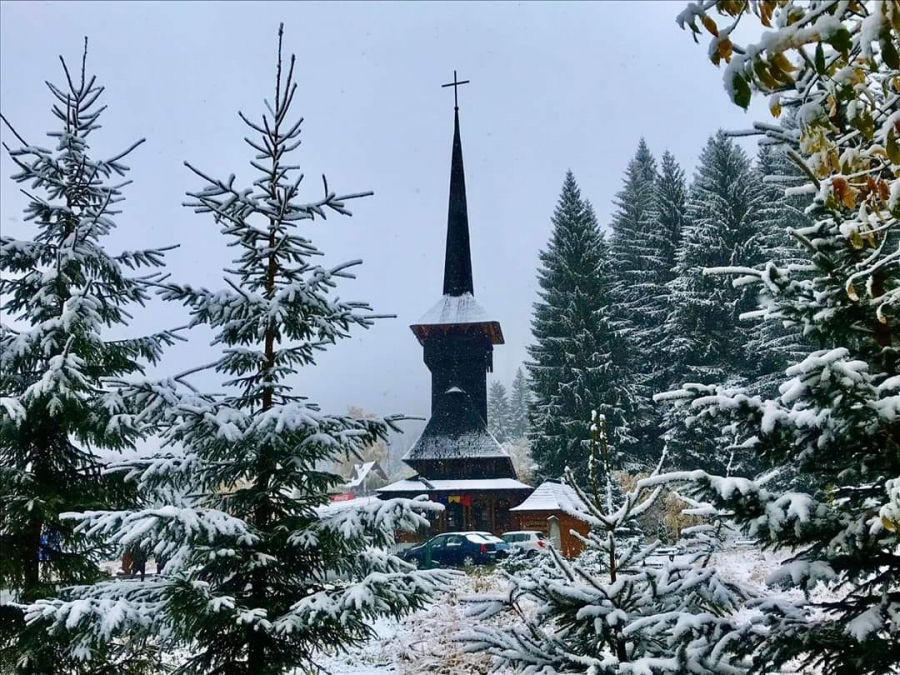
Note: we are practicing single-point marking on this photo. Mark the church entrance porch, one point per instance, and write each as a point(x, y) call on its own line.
point(475, 512)
point(455, 516)
point(468, 506)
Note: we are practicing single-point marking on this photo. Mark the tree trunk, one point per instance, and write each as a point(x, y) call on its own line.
point(31, 544)
point(621, 652)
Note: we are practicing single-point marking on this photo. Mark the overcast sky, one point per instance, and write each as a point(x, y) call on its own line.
point(554, 86)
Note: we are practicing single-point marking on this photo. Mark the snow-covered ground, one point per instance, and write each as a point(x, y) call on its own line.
point(423, 642)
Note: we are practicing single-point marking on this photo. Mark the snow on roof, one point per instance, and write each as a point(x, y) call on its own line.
point(361, 473)
point(471, 484)
point(454, 309)
point(455, 431)
point(458, 310)
point(466, 445)
point(552, 496)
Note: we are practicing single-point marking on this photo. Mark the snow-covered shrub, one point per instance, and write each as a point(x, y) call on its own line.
point(610, 611)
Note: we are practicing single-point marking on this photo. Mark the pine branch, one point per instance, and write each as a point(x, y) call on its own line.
point(14, 132)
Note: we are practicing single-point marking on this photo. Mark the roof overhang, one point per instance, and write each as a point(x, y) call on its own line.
point(552, 496)
point(459, 485)
point(460, 312)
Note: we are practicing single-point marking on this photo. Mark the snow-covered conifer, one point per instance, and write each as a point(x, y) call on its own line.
point(772, 345)
point(577, 359)
point(646, 234)
point(519, 401)
point(499, 413)
point(705, 338)
point(632, 228)
point(705, 335)
point(260, 574)
point(60, 414)
point(835, 416)
point(609, 611)
point(661, 247)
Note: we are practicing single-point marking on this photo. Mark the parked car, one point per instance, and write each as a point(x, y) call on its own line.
point(530, 541)
point(503, 549)
point(458, 549)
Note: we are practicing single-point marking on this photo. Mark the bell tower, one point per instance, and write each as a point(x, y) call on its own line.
point(458, 337)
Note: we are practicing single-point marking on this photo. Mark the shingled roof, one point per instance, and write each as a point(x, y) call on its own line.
point(455, 431)
point(553, 496)
point(460, 311)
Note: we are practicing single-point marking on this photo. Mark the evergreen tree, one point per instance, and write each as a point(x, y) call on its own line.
point(646, 234)
point(519, 400)
point(705, 337)
point(608, 611)
point(259, 576)
point(835, 417)
point(499, 413)
point(633, 227)
point(577, 359)
point(60, 416)
point(773, 344)
point(669, 207)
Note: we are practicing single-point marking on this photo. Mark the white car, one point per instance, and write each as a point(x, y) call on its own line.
point(527, 540)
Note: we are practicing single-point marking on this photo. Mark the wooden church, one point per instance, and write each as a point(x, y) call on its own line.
point(458, 462)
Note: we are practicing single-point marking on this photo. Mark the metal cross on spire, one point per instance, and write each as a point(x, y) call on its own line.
point(455, 84)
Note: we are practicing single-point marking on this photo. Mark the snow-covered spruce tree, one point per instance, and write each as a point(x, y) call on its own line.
point(69, 301)
point(646, 234)
point(577, 359)
point(632, 227)
point(499, 413)
point(519, 400)
point(669, 207)
point(774, 345)
point(835, 417)
point(259, 578)
point(617, 615)
point(705, 335)
point(705, 338)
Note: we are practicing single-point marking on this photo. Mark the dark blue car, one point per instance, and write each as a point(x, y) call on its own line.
point(458, 549)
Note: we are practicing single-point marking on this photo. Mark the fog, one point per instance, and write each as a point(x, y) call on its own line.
point(553, 87)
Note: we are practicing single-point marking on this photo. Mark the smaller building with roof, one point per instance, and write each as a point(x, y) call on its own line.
point(366, 478)
point(553, 509)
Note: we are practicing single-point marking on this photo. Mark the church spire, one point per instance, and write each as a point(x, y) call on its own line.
point(458, 258)
point(457, 335)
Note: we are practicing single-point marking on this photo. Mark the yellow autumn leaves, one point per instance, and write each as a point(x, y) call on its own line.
point(837, 66)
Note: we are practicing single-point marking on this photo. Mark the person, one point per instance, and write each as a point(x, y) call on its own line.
point(43, 554)
point(127, 562)
point(161, 561)
point(138, 562)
